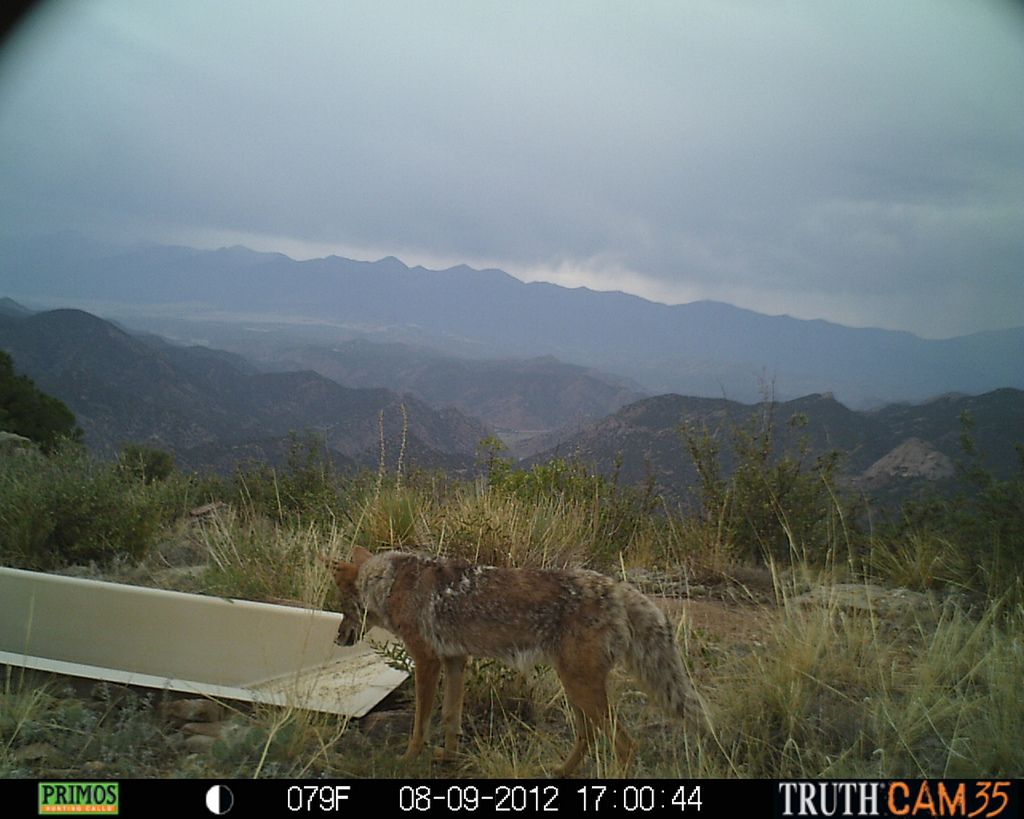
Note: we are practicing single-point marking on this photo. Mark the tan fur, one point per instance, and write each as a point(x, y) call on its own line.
point(580, 622)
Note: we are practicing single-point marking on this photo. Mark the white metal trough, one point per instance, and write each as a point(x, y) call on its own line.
point(210, 646)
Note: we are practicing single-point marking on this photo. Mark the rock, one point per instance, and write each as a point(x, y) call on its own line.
point(36, 752)
point(382, 725)
point(207, 510)
point(176, 576)
point(196, 710)
point(913, 458)
point(10, 441)
point(200, 744)
point(217, 730)
point(867, 598)
point(200, 737)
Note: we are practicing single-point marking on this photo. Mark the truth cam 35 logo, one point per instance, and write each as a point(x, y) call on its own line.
point(913, 799)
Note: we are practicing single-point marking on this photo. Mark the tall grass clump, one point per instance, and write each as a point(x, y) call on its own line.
point(393, 516)
point(469, 521)
point(272, 524)
point(557, 513)
point(484, 525)
point(610, 523)
point(256, 558)
point(853, 692)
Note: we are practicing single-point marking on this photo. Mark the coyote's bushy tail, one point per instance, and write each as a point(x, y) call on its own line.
point(652, 657)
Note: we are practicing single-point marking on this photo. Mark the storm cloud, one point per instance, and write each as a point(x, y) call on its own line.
point(859, 162)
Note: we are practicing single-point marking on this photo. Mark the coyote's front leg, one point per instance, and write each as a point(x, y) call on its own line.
point(451, 708)
point(427, 670)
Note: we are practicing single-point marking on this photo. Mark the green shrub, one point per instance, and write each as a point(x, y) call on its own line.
point(66, 507)
point(27, 411)
point(306, 489)
point(773, 505)
point(146, 464)
point(616, 518)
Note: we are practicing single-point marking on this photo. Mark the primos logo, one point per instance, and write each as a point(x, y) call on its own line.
point(71, 798)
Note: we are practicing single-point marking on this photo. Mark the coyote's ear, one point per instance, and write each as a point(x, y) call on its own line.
point(360, 556)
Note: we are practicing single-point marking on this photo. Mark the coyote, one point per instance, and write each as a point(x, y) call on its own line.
point(578, 621)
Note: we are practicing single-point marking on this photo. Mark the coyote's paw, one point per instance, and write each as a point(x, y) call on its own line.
point(446, 755)
point(411, 754)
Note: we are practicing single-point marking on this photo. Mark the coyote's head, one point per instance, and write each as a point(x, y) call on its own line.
point(352, 606)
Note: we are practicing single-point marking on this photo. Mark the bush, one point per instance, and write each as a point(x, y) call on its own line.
point(973, 540)
point(307, 489)
point(773, 505)
point(66, 507)
point(615, 518)
point(146, 463)
point(25, 410)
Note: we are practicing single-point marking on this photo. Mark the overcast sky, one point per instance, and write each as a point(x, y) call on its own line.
point(857, 161)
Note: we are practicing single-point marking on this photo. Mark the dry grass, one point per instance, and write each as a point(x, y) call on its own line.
point(823, 691)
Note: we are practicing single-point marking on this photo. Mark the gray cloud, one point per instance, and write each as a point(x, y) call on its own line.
point(860, 162)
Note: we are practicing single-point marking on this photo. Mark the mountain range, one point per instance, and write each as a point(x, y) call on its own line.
point(702, 348)
point(883, 452)
point(213, 408)
point(518, 398)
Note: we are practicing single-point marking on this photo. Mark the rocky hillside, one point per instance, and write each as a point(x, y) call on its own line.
point(516, 398)
point(886, 451)
point(203, 404)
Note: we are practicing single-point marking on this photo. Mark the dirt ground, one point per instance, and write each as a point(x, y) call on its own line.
point(733, 624)
point(735, 613)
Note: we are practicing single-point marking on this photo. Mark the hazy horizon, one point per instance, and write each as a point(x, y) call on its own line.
point(860, 164)
point(36, 302)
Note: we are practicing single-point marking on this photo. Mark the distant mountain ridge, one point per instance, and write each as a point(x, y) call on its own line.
point(880, 449)
point(203, 404)
point(515, 397)
point(703, 348)
point(9, 307)
point(214, 408)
